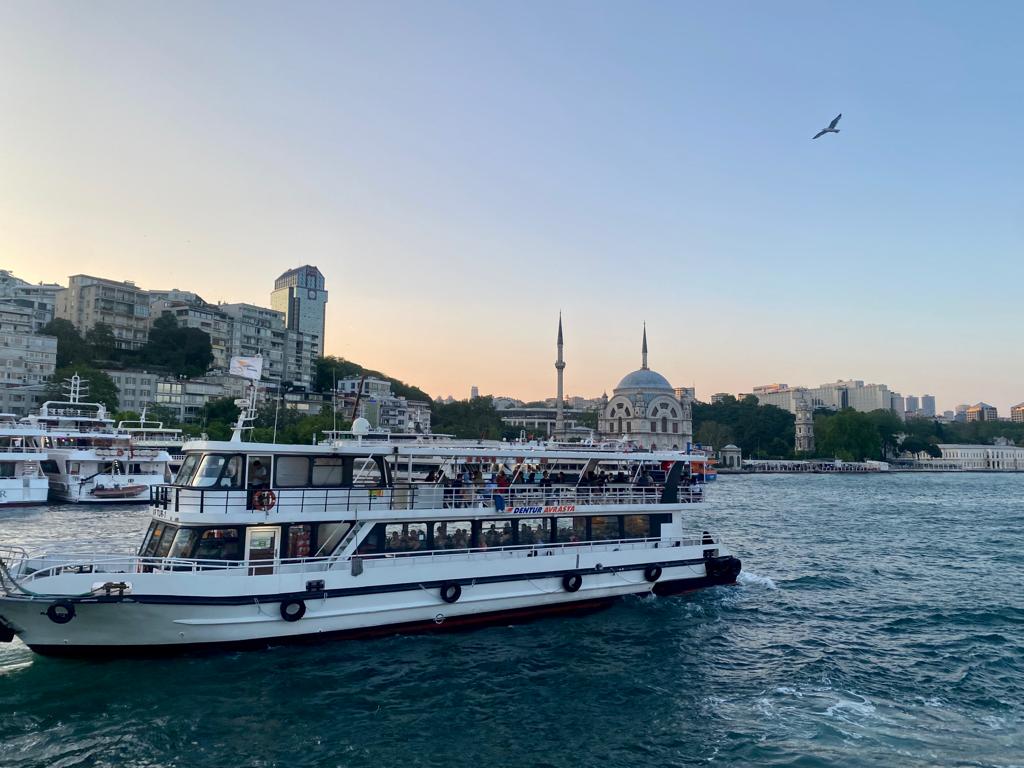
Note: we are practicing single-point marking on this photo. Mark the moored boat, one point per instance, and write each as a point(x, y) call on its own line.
point(257, 544)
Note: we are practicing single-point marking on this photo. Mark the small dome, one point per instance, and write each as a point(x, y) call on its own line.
point(644, 379)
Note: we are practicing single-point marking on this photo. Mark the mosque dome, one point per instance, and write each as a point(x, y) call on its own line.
point(644, 378)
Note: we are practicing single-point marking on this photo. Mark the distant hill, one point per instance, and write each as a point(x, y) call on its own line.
point(328, 369)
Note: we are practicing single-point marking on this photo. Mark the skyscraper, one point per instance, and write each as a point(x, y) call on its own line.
point(301, 295)
point(928, 405)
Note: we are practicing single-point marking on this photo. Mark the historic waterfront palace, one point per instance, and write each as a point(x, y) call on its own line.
point(644, 409)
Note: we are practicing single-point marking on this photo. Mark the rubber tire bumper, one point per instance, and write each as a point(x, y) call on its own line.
point(451, 592)
point(61, 612)
point(652, 573)
point(572, 582)
point(293, 610)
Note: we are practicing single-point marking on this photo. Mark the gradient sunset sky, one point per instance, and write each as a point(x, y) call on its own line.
point(461, 172)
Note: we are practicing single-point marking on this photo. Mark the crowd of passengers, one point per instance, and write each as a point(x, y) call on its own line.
point(472, 486)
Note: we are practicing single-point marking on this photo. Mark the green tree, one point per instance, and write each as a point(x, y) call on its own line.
point(331, 369)
point(468, 419)
point(713, 434)
point(762, 431)
point(101, 342)
point(888, 425)
point(101, 388)
point(71, 347)
point(848, 435)
point(182, 351)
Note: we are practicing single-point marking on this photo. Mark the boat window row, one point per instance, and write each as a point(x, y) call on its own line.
point(236, 471)
point(301, 540)
point(454, 534)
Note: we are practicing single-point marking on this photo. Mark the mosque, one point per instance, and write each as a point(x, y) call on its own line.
point(644, 408)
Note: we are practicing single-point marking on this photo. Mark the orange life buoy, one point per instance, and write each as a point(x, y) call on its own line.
point(263, 500)
point(120, 451)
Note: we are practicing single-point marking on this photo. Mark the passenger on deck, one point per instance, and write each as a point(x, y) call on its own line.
point(644, 481)
point(258, 476)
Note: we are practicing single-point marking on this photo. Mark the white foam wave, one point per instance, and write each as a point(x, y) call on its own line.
point(748, 579)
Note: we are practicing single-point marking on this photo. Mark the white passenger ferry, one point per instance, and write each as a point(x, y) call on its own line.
point(88, 460)
point(149, 434)
point(257, 544)
point(21, 474)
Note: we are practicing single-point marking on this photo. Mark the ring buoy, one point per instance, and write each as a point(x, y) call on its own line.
point(61, 612)
point(263, 500)
point(652, 573)
point(450, 592)
point(572, 582)
point(292, 610)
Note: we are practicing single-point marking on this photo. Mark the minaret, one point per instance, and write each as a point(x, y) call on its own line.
point(804, 426)
point(644, 349)
point(560, 367)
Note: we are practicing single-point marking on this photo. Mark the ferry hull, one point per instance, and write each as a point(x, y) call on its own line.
point(158, 625)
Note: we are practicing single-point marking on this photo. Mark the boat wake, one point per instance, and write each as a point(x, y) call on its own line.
point(749, 579)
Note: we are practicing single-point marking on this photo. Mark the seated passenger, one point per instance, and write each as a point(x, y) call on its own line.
point(258, 476)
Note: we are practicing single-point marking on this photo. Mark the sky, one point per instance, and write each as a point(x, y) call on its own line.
point(461, 172)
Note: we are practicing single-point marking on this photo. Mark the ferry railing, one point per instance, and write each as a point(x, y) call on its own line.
point(337, 501)
point(21, 449)
point(26, 568)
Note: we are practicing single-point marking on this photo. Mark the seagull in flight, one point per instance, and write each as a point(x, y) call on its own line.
point(831, 127)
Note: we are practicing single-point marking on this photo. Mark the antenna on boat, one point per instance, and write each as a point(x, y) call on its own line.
point(246, 413)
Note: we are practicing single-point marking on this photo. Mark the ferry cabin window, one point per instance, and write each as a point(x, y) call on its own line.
point(496, 534)
point(300, 540)
point(218, 471)
point(604, 528)
point(637, 526)
point(453, 534)
point(187, 469)
point(405, 537)
point(328, 535)
point(534, 530)
point(292, 471)
point(219, 544)
point(7, 469)
point(570, 529)
point(183, 542)
point(158, 530)
point(328, 472)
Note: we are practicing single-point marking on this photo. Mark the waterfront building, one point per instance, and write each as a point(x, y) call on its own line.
point(543, 420)
point(123, 306)
point(40, 300)
point(731, 457)
point(928, 406)
point(300, 295)
point(850, 393)
point(1017, 413)
point(301, 350)
point(136, 389)
point(381, 407)
point(644, 409)
point(1002, 456)
point(258, 331)
point(982, 412)
point(804, 426)
point(26, 358)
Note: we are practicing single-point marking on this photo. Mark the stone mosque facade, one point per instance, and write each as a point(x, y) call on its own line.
point(645, 410)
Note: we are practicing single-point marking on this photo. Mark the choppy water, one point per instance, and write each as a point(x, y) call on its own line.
point(878, 623)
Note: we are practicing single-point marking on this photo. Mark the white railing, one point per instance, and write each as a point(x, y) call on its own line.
point(18, 562)
point(336, 501)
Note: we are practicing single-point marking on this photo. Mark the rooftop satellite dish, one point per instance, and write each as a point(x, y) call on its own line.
point(360, 427)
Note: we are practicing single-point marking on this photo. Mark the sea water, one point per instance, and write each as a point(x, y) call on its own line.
point(878, 622)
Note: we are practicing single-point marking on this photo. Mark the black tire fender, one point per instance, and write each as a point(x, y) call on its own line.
point(61, 612)
point(572, 582)
point(652, 573)
point(451, 592)
point(293, 610)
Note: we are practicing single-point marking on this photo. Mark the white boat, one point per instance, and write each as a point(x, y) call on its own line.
point(148, 434)
point(21, 474)
point(256, 544)
point(88, 460)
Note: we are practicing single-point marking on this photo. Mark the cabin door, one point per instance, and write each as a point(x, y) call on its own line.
point(262, 543)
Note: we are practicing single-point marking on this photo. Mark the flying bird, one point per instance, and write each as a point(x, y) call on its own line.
point(831, 128)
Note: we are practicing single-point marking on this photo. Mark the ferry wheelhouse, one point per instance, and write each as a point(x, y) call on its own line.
point(257, 544)
point(148, 434)
point(21, 474)
point(88, 460)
